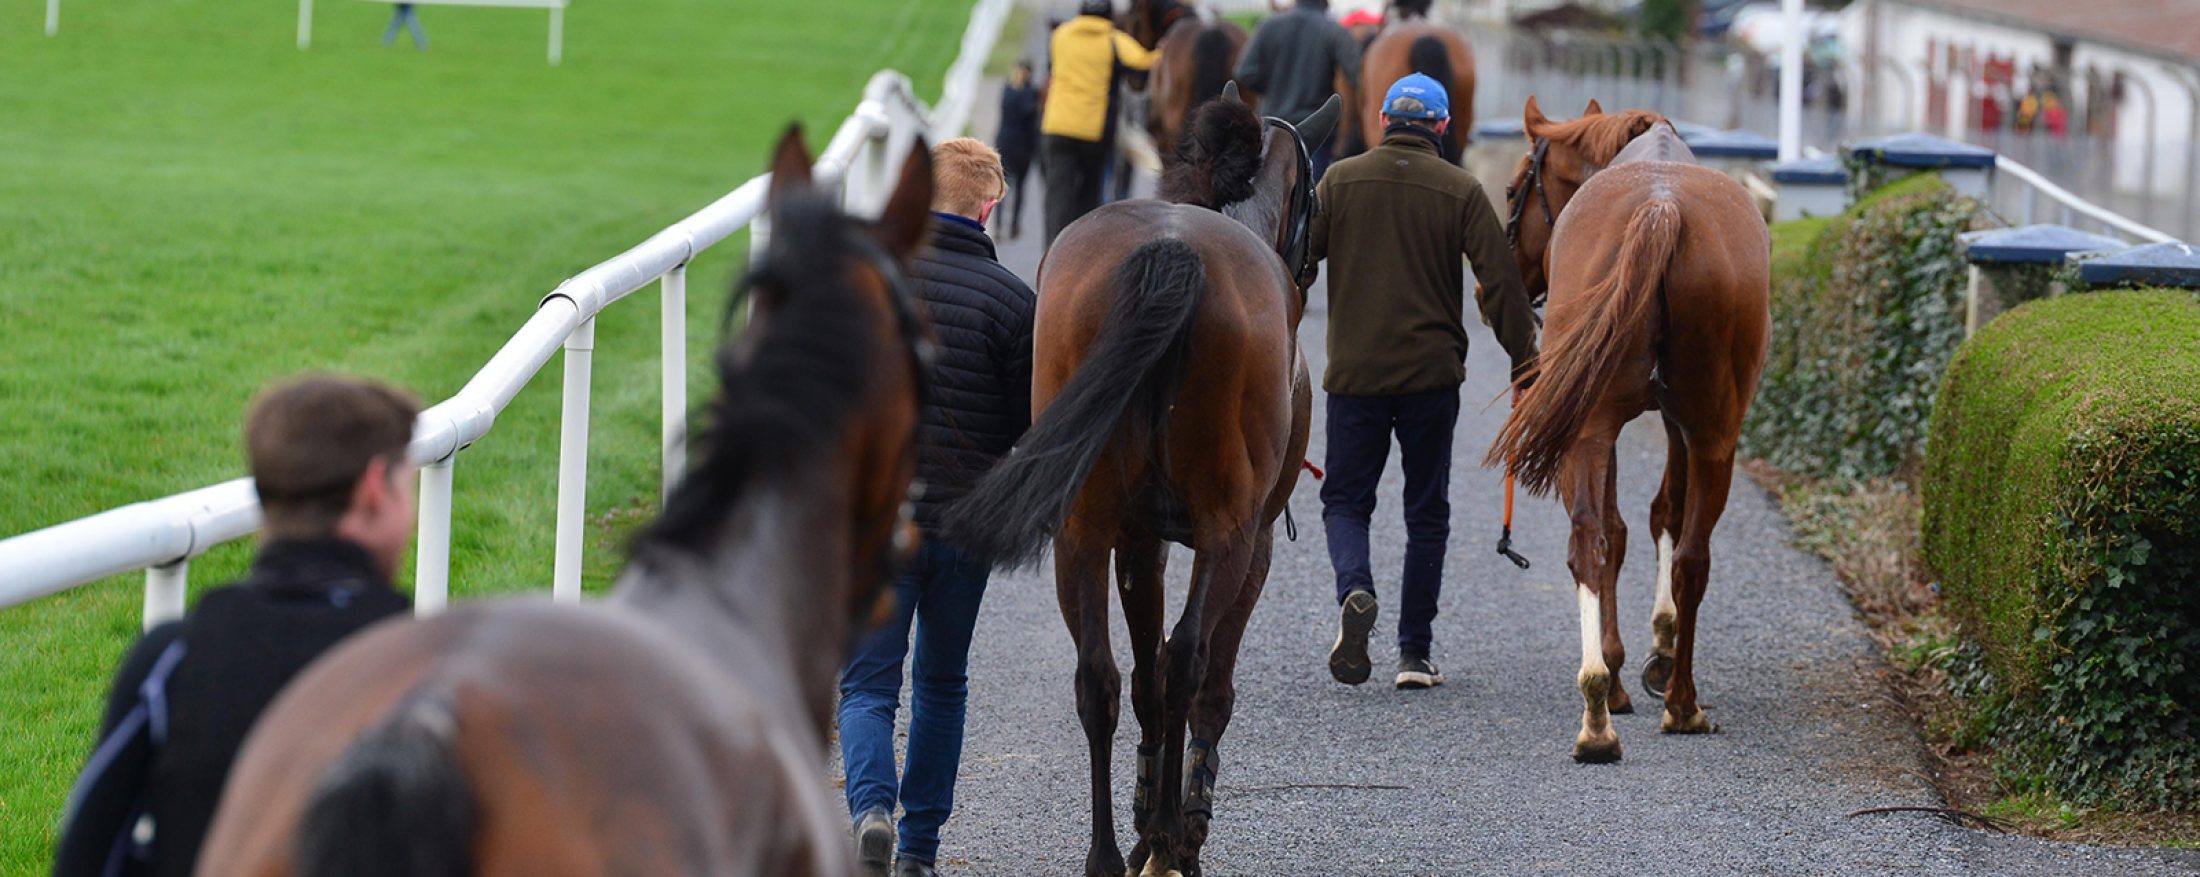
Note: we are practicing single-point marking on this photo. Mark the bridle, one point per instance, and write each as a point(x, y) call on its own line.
point(1299, 213)
point(1534, 182)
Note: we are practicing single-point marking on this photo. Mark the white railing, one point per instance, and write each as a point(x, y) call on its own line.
point(161, 536)
point(2036, 184)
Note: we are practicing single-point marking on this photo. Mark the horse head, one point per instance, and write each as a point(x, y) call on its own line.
point(1561, 157)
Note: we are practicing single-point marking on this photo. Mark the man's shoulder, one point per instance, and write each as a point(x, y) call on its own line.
point(955, 275)
point(1405, 166)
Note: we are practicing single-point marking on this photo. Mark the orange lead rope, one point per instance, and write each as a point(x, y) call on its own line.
point(1505, 538)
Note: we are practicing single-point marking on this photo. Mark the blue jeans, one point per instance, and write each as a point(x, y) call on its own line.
point(407, 17)
point(940, 593)
point(1359, 430)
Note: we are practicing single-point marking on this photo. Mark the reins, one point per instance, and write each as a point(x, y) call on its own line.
point(1534, 182)
point(1299, 220)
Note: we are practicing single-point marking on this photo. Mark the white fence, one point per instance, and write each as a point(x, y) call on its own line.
point(161, 536)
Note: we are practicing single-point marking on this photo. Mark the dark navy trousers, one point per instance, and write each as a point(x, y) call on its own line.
point(1360, 429)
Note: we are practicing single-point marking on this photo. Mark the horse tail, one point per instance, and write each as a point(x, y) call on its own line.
point(1210, 64)
point(1123, 388)
point(396, 802)
point(1578, 363)
point(1429, 56)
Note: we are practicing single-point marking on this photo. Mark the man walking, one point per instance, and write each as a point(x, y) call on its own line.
point(1018, 141)
point(1077, 129)
point(978, 405)
point(328, 460)
point(1393, 224)
point(1293, 61)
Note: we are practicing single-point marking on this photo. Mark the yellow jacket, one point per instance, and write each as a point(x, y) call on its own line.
point(1086, 49)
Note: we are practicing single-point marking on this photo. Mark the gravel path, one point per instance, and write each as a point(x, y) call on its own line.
point(1475, 777)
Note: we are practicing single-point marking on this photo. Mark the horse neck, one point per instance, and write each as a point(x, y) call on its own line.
point(767, 594)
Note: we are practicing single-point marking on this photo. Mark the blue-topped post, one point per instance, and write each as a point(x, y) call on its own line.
point(2168, 264)
point(1809, 187)
point(1968, 169)
point(2001, 253)
point(1724, 149)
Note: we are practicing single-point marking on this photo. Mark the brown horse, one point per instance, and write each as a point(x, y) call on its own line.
point(1173, 404)
point(678, 727)
point(1197, 58)
point(1415, 45)
point(1546, 178)
point(1658, 301)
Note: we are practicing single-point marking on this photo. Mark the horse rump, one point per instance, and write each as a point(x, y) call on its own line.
point(1124, 385)
point(1210, 63)
point(396, 802)
point(1428, 56)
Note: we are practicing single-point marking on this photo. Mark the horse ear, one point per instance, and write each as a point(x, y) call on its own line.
point(901, 226)
point(1316, 129)
point(1533, 118)
point(790, 165)
point(1229, 91)
point(1594, 109)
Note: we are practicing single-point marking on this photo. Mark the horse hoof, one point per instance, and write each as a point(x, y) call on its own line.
point(1618, 703)
point(1695, 723)
point(1656, 673)
point(1105, 864)
point(1153, 870)
point(1596, 749)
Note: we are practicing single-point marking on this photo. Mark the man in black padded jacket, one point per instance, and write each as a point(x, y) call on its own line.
point(328, 460)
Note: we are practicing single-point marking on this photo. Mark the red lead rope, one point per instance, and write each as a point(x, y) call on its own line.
point(1310, 467)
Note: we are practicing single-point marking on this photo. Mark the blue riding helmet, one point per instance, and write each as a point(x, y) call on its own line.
point(1417, 96)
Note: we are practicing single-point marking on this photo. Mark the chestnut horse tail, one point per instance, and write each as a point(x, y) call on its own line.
point(1581, 359)
point(1429, 57)
point(1210, 64)
point(396, 802)
point(1123, 387)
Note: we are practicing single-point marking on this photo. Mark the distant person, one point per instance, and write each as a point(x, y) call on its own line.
point(408, 18)
point(1393, 224)
point(1077, 127)
point(1293, 62)
point(978, 406)
point(327, 456)
point(1018, 142)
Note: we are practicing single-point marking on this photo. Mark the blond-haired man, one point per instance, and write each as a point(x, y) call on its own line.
point(978, 405)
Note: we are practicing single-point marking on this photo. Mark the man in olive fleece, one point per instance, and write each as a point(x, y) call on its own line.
point(1393, 223)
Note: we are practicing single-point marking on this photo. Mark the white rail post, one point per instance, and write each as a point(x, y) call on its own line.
point(305, 24)
point(675, 378)
point(164, 590)
point(565, 577)
point(53, 17)
point(1791, 82)
point(557, 35)
point(432, 560)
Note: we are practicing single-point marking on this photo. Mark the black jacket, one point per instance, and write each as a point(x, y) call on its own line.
point(241, 645)
point(1019, 132)
point(1293, 59)
point(980, 400)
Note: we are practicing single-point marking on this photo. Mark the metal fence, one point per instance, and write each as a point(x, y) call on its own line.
point(161, 536)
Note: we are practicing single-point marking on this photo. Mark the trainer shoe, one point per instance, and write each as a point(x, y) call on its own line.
point(875, 843)
point(1348, 662)
point(1417, 671)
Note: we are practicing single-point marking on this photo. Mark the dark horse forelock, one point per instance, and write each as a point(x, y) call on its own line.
point(1217, 160)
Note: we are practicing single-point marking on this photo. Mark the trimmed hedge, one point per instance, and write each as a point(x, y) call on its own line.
point(2062, 513)
point(1867, 308)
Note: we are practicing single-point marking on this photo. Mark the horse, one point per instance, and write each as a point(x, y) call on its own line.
point(1197, 58)
point(1415, 45)
point(1658, 301)
point(1172, 404)
point(680, 725)
point(1543, 181)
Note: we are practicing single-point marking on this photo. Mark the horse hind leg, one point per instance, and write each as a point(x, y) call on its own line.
point(1217, 701)
point(1583, 488)
point(1615, 553)
point(1080, 574)
point(1666, 513)
point(1218, 570)
point(1709, 474)
point(1139, 564)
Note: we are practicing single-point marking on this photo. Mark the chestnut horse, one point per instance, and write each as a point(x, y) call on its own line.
point(1658, 301)
point(1544, 179)
point(1197, 58)
point(678, 727)
point(1413, 44)
point(1172, 404)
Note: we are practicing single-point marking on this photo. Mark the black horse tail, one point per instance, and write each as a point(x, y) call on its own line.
point(396, 802)
point(1428, 56)
point(1123, 388)
point(1210, 64)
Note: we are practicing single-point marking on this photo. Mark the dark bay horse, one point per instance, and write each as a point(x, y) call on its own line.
point(1658, 301)
point(1173, 405)
point(1560, 157)
point(678, 727)
point(1197, 58)
point(1413, 44)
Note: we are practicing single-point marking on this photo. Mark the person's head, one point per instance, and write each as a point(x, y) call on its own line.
point(1418, 99)
point(1102, 8)
point(328, 459)
point(1022, 75)
point(967, 179)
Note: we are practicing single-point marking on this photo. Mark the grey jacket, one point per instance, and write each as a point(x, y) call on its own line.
point(1293, 59)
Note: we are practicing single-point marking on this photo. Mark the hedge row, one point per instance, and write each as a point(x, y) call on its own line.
point(2062, 514)
point(1867, 308)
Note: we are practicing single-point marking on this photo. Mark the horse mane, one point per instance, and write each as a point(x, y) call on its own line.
point(1217, 159)
point(786, 390)
point(1602, 136)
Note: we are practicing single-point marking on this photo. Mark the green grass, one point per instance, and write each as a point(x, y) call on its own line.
point(191, 208)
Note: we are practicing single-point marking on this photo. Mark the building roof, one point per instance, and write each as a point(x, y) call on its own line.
point(2170, 28)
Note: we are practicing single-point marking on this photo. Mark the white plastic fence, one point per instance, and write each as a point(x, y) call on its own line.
point(161, 536)
point(2033, 184)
